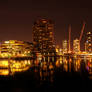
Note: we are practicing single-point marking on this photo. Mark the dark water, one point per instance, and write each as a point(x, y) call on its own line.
point(47, 75)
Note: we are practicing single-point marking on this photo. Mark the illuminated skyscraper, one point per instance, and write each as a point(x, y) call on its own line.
point(65, 46)
point(76, 46)
point(88, 43)
point(43, 38)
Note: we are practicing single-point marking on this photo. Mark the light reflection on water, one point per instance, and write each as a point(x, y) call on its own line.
point(9, 67)
point(47, 66)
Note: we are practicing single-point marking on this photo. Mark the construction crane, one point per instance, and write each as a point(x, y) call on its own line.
point(82, 30)
point(69, 51)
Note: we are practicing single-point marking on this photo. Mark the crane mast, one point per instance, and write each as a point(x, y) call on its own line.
point(69, 51)
point(82, 30)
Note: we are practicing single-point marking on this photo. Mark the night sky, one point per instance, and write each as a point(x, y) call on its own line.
point(17, 18)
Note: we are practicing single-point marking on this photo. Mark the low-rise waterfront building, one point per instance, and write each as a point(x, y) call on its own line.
point(15, 48)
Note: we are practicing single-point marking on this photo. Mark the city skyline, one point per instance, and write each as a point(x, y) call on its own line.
point(42, 29)
point(17, 18)
point(45, 45)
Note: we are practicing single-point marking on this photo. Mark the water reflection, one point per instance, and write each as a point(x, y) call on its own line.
point(70, 64)
point(10, 67)
point(4, 72)
point(45, 67)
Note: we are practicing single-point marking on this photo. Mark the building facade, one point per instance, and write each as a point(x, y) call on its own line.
point(76, 46)
point(65, 46)
point(14, 48)
point(88, 43)
point(43, 38)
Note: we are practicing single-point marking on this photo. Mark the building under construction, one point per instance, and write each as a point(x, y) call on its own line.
point(43, 38)
point(77, 42)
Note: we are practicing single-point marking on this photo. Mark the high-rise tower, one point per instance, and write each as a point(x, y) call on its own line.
point(43, 38)
point(65, 46)
point(88, 43)
point(76, 46)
